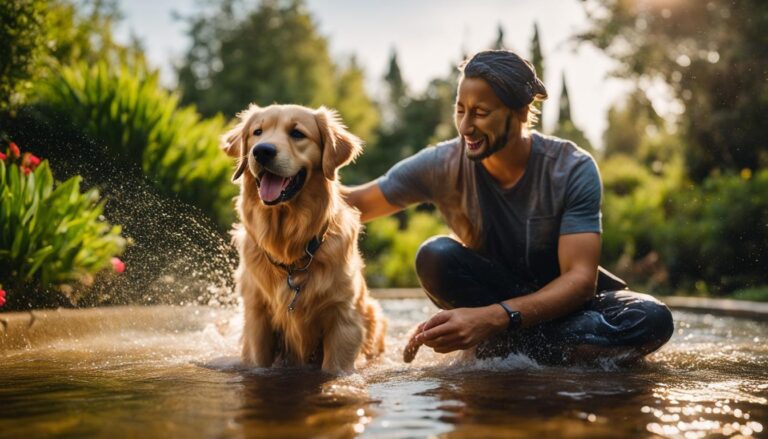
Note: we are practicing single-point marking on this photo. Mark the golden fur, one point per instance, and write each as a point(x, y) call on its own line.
point(334, 317)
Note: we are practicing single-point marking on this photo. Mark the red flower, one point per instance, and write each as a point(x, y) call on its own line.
point(15, 152)
point(3, 156)
point(33, 161)
point(25, 170)
point(2, 297)
point(118, 265)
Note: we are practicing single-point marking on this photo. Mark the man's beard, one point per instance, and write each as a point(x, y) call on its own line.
point(497, 145)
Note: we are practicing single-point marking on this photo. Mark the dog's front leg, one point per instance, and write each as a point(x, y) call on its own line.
point(341, 344)
point(258, 341)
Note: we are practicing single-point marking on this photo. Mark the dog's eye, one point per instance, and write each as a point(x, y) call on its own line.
point(257, 132)
point(296, 134)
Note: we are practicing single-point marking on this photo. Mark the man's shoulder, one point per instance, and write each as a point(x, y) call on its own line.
point(561, 156)
point(447, 147)
point(556, 148)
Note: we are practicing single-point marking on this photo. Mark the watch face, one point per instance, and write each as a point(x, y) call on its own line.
point(515, 320)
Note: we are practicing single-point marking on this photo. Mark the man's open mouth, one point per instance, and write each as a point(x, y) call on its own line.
point(275, 189)
point(474, 145)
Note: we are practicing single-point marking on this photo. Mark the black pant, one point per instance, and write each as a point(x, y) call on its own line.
point(617, 323)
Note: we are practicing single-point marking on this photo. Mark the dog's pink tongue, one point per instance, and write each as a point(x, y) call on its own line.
point(271, 186)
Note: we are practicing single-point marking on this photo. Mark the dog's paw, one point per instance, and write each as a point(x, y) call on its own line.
point(410, 350)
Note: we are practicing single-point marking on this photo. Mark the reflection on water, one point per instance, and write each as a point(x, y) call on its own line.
point(710, 380)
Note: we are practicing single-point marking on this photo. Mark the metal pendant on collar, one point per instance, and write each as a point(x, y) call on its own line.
point(296, 291)
point(311, 248)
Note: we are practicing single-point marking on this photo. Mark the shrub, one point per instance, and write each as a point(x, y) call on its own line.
point(633, 211)
point(20, 42)
point(716, 237)
point(51, 235)
point(143, 126)
point(390, 252)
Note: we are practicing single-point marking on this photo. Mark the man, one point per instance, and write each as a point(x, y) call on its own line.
point(526, 209)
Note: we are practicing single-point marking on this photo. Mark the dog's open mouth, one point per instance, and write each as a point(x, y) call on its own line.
point(275, 189)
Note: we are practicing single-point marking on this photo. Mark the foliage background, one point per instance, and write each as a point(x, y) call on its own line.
point(685, 209)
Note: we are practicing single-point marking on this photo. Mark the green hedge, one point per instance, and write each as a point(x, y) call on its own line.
point(715, 239)
point(143, 125)
point(51, 235)
point(390, 251)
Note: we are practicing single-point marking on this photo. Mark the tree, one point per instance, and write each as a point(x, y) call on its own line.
point(499, 43)
point(282, 59)
point(537, 59)
point(565, 127)
point(713, 56)
point(410, 121)
point(633, 126)
point(39, 36)
point(20, 43)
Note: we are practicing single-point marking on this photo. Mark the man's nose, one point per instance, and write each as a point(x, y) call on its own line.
point(466, 127)
point(264, 153)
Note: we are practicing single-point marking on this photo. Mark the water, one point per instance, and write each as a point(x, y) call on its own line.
point(711, 380)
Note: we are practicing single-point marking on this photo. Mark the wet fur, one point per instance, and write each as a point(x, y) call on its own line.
point(335, 320)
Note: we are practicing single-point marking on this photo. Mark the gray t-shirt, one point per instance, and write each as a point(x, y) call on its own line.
point(558, 194)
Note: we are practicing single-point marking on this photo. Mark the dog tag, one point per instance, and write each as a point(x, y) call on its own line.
point(296, 290)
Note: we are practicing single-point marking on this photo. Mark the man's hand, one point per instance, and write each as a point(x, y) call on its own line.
point(456, 329)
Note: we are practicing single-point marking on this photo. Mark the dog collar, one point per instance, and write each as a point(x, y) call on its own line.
point(311, 248)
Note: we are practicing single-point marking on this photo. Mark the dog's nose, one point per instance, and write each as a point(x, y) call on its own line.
point(264, 152)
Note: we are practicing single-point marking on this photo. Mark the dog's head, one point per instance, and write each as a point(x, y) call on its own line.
point(284, 146)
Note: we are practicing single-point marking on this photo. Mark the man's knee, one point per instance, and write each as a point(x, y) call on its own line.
point(659, 322)
point(434, 256)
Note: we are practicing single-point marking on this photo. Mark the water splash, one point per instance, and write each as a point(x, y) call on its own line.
point(178, 255)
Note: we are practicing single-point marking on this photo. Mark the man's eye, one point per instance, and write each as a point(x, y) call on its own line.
point(257, 132)
point(296, 134)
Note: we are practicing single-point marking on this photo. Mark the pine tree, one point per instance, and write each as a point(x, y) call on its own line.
point(564, 114)
point(499, 44)
point(565, 128)
point(396, 86)
point(537, 59)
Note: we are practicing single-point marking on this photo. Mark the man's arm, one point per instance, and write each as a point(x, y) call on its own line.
point(369, 200)
point(462, 328)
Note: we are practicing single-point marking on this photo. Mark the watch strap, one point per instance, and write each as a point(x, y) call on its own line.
point(515, 318)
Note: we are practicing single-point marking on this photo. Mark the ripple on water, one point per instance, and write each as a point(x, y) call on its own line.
point(709, 380)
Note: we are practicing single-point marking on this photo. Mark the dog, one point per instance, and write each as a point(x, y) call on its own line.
point(300, 272)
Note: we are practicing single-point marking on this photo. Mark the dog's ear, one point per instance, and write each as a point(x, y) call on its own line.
point(339, 145)
point(233, 142)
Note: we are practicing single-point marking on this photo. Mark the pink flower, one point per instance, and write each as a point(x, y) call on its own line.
point(15, 152)
point(2, 297)
point(118, 265)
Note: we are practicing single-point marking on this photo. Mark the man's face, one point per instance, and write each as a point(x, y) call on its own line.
point(484, 123)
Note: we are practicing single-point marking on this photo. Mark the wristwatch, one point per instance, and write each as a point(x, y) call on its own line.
point(515, 318)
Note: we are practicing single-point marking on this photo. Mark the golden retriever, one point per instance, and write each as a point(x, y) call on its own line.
point(300, 272)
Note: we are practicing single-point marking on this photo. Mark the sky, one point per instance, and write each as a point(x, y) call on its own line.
point(429, 37)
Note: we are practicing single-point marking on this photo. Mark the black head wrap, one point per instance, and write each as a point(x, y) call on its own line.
point(512, 78)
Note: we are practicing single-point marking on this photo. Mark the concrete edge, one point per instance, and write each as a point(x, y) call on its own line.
point(27, 329)
point(728, 307)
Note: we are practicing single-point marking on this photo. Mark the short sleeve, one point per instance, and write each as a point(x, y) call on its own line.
point(411, 180)
point(583, 196)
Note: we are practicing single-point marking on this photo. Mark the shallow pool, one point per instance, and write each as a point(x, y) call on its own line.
point(710, 380)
